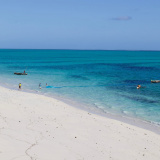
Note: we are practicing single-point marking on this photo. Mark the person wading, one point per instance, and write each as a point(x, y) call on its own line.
point(19, 85)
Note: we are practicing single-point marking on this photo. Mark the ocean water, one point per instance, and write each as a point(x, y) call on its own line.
point(103, 81)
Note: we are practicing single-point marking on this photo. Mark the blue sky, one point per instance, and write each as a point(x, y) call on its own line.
point(80, 24)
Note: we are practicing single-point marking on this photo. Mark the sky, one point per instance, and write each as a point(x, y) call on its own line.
point(80, 24)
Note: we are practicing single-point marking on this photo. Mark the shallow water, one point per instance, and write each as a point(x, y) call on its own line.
point(100, 79)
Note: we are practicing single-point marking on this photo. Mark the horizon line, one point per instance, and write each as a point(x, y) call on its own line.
point(77, 49)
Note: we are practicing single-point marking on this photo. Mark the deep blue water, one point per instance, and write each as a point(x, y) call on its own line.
point(100, 79)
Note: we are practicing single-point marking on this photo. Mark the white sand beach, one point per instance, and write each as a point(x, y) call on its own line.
point(35, 127)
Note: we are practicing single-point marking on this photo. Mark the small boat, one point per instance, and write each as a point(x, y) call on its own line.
point(155, 81)
point(20, 73)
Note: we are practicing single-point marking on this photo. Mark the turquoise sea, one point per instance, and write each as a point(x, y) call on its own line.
point(102, 81)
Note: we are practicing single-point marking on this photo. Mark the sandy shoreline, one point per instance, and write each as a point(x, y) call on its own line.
point(42, 128)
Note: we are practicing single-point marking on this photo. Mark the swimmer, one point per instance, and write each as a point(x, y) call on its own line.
point(139, 86)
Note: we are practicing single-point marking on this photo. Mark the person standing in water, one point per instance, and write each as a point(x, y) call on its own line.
point(19, 85)
point(40, 86)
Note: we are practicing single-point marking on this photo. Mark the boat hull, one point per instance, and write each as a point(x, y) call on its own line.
point(20, 73)
point(155, 81)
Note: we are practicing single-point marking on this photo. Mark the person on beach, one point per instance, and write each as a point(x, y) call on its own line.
point(40, 86)
point(46, 84)
point(24, 71)
point(19, 85)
